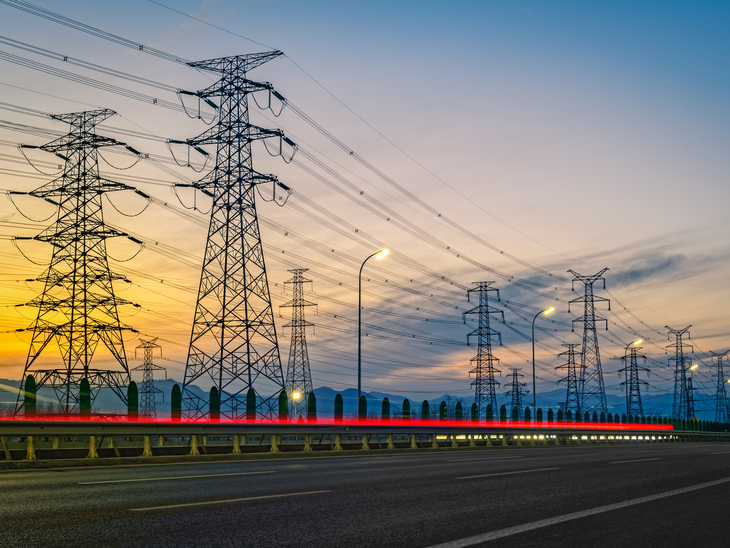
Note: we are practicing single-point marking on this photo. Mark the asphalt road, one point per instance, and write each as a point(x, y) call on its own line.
point(634, 495)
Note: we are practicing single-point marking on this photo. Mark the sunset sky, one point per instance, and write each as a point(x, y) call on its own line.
point(525, 138)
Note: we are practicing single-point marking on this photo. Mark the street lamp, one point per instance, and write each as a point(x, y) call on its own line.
point(534, 384)
point(378, 255)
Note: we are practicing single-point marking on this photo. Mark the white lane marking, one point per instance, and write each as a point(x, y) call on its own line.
point(634, 460)
point(509, 473)
point(177, 477)
point(501, 533)
point(244, 499)
point(720, 453)
point(483, 458)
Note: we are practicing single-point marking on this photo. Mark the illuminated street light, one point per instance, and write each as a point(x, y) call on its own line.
point(534, 383)
point(378, 255)
point(695, 366)
point(296, 395)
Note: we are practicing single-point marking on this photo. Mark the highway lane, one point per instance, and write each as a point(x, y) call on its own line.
point(419, 499)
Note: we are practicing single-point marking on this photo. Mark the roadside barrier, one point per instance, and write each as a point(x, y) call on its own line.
point(24, 439)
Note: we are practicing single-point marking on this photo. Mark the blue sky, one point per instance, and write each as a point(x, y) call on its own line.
point(582, 134)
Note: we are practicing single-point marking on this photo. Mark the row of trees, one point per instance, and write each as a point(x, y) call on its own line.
point(424, 412)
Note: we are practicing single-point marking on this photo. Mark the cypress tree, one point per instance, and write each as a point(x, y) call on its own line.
point(175, 403)
point(29, 399)
point(132, 400)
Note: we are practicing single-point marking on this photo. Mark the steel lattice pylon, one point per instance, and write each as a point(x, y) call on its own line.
point(591, 388)
point(572, 379)
point(485, 364)
point(517, 392)
point(78, 308)
point(298, 375)
point(147, 391)
point(233, 342)
point(722, 405)
point(632, 384)
point(682, 406)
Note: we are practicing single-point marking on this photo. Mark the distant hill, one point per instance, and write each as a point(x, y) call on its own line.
point(107, 401)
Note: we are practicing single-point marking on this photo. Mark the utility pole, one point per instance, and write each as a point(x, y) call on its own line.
point(298, 374)
point(517, 391)
point(147, 391)
point(591, 388)
point(233, 344)
point(484, 363)
point(722, 406)
point(682, 407)
point(77, 310)
point(632, 384)
point(572, 379)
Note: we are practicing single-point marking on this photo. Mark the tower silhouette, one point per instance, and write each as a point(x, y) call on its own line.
point(682, 405)
point(722, 406)
point(298, 375)
point(147, 391)
point(632, 384)
point(517, 392)
point(590, 386)
point(78, 308)
point(572, 379)
point(233, 343)
point(485, 364)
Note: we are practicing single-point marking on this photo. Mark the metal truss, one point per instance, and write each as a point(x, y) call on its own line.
point(484, 363)
point(78, 308)
point(682, 406)
point(233, 344)
point(591, 388)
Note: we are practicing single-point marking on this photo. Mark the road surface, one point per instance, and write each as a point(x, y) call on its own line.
point(629, 495)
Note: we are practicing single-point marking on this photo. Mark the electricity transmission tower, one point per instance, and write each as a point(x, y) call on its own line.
point(485, 364)
point(147, 391)
point(591, 389)
point(233, 342)
point(572, 379)
point(298, 375)
point(517, 391)
point(78, 309)
point(632, 384)
point(682, 406)
point(722, 405)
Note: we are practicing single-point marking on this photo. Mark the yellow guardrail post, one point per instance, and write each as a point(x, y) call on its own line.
point(160, 441)
point(391, 445)
point(454, 443)
point(274, 442)
point(113, 444)
point(92, 448)
point(472, 443)
point(56, 442)
point(147, 451)
point(365, 445)
point(413, 441)
point(434, 443)
point(30, 448)
point(194, 445)
point(6, 450)
point(307, 442)
point(237, 444)
point(338, 442)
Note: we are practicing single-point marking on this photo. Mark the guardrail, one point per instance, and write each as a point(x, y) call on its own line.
point(49, 439)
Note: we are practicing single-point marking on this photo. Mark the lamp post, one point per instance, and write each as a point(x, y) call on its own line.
point(534, 382)
point(378, 255)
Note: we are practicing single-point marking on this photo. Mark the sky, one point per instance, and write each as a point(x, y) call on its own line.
point(555, 136)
